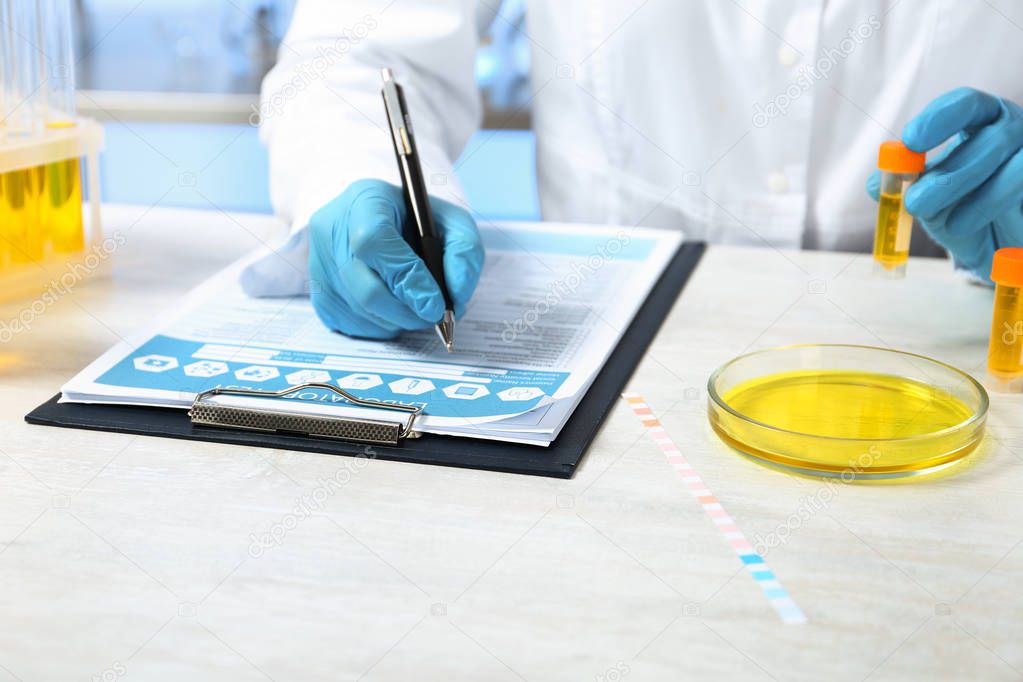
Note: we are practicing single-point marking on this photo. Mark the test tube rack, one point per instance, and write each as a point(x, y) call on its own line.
point(24, 192)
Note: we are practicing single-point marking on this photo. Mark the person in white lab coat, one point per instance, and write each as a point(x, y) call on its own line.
point(745, 122)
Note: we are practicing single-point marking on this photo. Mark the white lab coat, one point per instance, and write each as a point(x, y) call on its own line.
point(740, 122)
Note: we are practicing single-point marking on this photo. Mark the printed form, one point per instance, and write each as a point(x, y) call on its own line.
point(552, 303)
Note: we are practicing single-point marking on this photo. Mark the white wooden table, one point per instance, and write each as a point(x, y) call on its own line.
point(132, 557)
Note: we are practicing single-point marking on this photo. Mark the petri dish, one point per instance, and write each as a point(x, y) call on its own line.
point(854, 412)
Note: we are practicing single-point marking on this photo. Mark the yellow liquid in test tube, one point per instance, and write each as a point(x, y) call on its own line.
point(1005, 352)
point(61, 204)
point(1005, 348)
point(41, 209)
point(5, 249)
point(22, 234)
point(899, 168)
point(894, 228)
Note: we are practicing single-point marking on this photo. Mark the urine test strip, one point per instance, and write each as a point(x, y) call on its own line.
point(777, 595)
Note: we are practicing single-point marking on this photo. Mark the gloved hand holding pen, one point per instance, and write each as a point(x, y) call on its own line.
point(366, 280)
point(970, 199)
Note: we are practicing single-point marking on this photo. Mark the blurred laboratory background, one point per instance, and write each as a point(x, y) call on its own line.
point(174, 83)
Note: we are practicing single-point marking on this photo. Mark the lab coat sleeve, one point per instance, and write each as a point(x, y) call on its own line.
point(322, 117)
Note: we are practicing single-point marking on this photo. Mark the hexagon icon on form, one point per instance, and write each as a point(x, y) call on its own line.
point(463, 391)
point(206, 368)
point(520, 393)
point(155, 363)
point(360, 381)
point(257, 373)
point(307, 376)
point(410, 386)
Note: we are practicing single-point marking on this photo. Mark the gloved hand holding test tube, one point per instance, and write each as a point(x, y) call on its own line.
point(970, 198)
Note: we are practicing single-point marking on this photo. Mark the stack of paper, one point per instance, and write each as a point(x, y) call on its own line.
point(552, 303)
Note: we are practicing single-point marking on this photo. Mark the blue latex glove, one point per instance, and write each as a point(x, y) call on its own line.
point(364, 278)
point(970, 199)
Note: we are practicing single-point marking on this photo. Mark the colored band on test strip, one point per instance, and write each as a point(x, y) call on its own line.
point(779, 597)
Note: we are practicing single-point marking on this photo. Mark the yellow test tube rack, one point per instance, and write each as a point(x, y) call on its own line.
point(50, 229)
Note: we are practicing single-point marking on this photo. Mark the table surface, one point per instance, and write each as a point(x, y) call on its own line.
point(133, 557)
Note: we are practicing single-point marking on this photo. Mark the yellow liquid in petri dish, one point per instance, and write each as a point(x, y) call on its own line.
point(894, 229)
point(838, 420)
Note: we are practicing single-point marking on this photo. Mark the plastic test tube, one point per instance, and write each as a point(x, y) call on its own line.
point(20, 230)
point(1005, 348)
point(61, 206)
point(899, 167)
point(57, 62)
point(6, 104)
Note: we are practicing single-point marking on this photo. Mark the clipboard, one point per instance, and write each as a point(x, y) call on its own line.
point(559, 460)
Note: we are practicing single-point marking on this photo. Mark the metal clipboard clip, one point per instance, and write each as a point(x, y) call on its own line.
point(358, 430)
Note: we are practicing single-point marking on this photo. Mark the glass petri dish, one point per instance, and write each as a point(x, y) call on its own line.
point(854, 412)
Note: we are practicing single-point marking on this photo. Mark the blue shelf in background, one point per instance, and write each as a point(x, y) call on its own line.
point(224, 167)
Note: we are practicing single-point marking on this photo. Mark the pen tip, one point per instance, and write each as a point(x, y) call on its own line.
point(386, 74)
point(446, 331)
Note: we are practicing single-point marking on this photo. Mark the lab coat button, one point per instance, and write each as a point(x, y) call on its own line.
point(777, 182)
point(787, 55)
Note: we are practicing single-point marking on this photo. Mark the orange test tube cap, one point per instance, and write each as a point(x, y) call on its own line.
point(1007, 267)
point(895, 157)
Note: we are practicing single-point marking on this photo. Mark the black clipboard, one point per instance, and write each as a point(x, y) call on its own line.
point(559, 460)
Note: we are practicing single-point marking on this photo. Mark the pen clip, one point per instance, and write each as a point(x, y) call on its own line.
point(397, 119)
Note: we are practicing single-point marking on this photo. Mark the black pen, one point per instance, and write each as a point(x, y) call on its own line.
point(424, 240)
